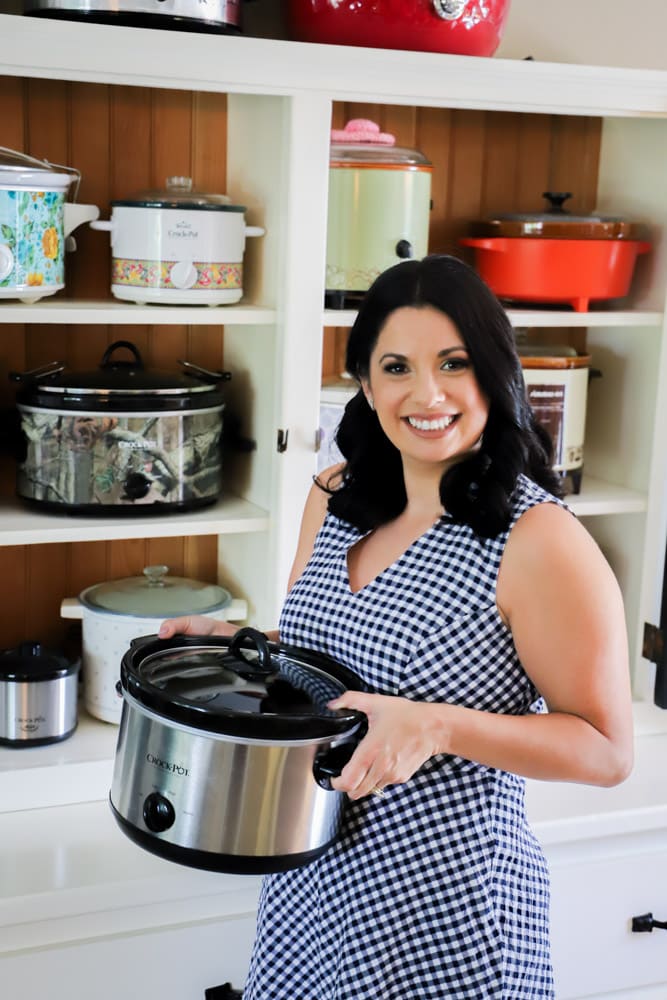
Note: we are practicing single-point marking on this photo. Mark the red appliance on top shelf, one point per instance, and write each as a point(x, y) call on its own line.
point(459, 27)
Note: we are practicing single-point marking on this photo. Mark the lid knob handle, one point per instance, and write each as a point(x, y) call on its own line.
point(155, 575)
point(179, 184)
point(557, 199)
point(253, 637)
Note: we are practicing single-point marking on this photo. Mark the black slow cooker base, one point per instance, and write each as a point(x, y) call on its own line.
point(212, 861)
point(39, 741)
point(118, 510)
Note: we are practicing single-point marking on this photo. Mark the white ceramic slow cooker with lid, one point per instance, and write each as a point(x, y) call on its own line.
point(35, 221)
point(556, 380)
point(178, 246)
point(115, 612)
point(227, 748)
point(378, 210)
point(122, 438)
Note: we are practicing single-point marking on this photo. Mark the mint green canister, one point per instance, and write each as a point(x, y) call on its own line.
point(378, 211)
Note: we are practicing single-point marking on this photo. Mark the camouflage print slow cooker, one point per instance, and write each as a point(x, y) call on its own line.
point(122, 438)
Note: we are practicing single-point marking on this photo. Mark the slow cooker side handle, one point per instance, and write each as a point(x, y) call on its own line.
point(329, 763)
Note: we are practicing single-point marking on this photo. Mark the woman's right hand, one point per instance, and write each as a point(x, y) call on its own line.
point(195, 625)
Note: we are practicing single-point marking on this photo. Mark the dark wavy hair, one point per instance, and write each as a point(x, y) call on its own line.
point(476, 491)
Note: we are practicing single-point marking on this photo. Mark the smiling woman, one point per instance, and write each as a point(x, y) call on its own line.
point(421, 566)
point(424, 390)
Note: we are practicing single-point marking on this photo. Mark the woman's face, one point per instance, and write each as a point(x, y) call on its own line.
point(424, 389)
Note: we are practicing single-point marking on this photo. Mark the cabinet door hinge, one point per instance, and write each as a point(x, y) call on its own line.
point(653, 647)
point(282, 440)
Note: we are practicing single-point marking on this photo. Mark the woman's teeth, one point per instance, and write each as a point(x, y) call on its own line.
point(430, 425)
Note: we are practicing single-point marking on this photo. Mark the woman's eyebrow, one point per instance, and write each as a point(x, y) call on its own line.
point(441, 354)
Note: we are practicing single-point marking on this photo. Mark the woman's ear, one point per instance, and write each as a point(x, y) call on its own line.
point(365, 386)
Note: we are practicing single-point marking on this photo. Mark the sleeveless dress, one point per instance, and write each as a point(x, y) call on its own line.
point(438, 889)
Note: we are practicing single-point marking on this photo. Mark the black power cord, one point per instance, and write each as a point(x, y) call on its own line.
point(646, 923)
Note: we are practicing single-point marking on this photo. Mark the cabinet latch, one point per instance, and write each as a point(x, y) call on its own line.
point(653, 647)
point(282, 440)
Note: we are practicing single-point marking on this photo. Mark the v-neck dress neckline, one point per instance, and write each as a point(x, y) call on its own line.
point(394, 566)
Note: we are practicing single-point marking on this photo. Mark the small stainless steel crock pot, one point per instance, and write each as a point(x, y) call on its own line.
point(178, 246)
point(38, 696)
point(379, 207)
point(120, 439)
point(226, 748)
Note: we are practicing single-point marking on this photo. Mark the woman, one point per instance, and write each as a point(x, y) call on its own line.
point(439, 563)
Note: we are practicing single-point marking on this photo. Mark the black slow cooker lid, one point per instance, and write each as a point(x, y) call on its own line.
point(31, 661)
point(244, 686)
point(119, 382)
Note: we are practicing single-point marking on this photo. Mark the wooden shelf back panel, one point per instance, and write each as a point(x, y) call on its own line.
point(484, 162)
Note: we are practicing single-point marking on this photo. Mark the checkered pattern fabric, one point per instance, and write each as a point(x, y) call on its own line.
point(439, 889)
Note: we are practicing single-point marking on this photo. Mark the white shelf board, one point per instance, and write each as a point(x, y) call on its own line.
point(77, 769)
point(537, 318)
point(55, 310)
point(20, 525)
point(599, 497)
point(238, 64)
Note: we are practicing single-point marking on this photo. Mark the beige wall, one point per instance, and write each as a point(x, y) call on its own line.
point(597, 32)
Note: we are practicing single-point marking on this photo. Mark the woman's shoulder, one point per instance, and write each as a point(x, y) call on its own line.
point(528, 493)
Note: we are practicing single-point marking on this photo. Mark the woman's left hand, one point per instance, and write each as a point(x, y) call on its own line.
point(402, 735)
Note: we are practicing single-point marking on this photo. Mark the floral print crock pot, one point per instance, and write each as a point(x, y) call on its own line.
point(35, 220)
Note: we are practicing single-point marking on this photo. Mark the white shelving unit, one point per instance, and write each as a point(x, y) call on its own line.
point(280, 97)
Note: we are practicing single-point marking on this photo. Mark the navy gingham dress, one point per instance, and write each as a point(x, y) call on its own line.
point(439, 889)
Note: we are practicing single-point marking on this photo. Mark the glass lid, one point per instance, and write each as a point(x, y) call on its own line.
point(21, 166)
point(557, 222)
point(155, 595)
point(180, 193)
point(243, 686)
point(362, 142)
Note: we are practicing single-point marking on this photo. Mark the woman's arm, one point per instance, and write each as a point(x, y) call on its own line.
point(559, 597)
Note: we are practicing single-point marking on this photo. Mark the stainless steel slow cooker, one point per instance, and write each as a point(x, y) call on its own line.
point(183, 15)
point(378, 210)
point(226, 750)
point(120, 439)
point(38, 696)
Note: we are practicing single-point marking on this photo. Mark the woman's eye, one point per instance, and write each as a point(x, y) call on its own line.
point(455, 364)
point(395, 368)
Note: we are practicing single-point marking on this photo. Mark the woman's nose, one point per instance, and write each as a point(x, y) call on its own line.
point(429, 391)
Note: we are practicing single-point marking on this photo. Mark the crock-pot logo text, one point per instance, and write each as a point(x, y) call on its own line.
point(137, 445)
point(183, 231)
point(167, 765)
